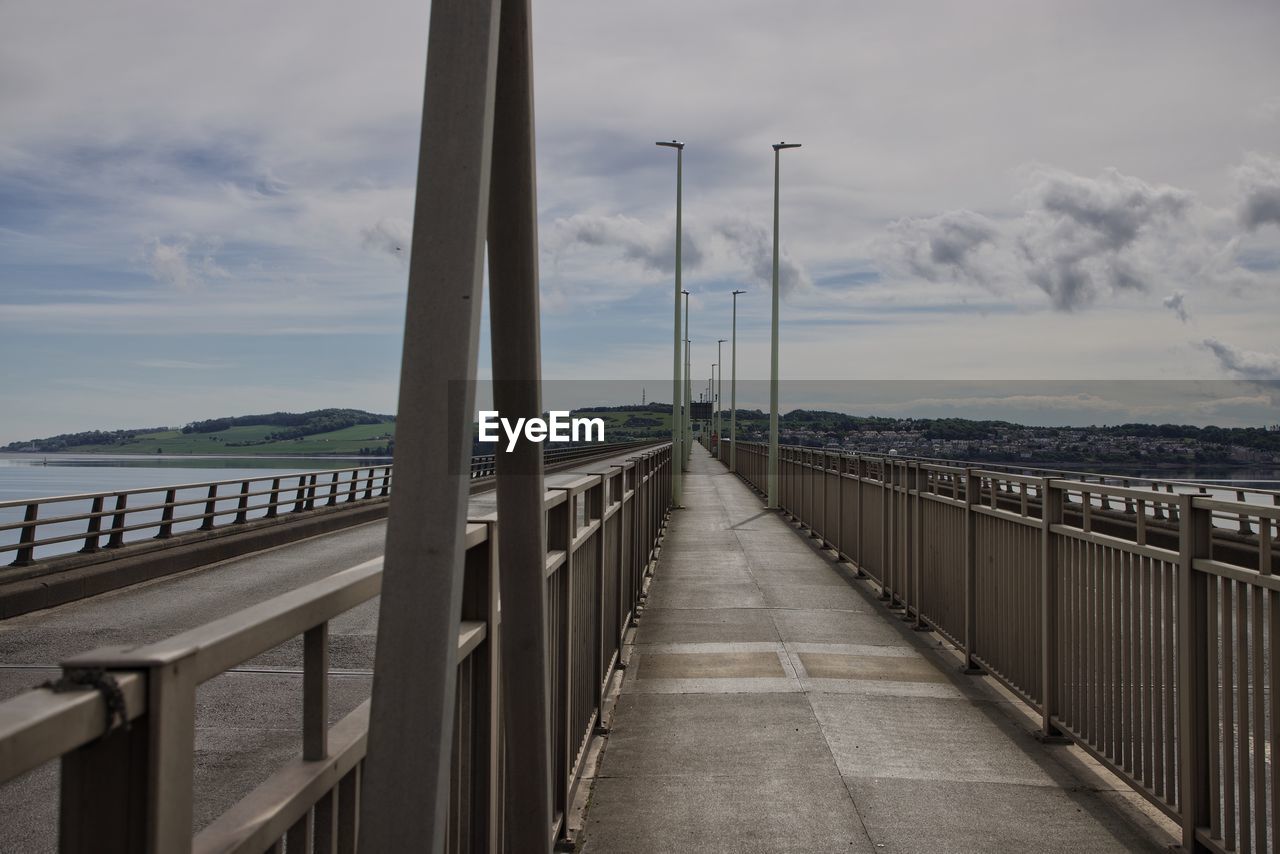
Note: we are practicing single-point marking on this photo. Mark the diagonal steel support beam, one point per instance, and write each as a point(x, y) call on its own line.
point(517, 392)
point(406, 791)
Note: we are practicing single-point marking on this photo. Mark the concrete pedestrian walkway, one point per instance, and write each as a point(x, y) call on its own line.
point(771, 704)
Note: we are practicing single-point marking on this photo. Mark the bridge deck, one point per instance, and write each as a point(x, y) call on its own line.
point(772, 704)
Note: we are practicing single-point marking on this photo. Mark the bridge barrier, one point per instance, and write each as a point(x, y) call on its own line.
point(234, 518)
point(1141, 624)
point(126, 782)
point(97, 521)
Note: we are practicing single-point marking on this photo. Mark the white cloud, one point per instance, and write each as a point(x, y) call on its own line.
point(1249, 364)
point(1258, 179)
point(183, 264)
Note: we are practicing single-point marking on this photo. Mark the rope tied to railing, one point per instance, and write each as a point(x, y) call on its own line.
point(102, 682)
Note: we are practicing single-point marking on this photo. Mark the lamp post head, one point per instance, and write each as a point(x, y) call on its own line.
point(735, 293)
point(781, 145)
point(672, 144)
point(722, 340)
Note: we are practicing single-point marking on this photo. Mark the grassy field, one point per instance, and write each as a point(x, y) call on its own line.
point(248, 441)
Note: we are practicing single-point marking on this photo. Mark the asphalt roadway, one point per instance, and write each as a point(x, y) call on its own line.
point(248, 721)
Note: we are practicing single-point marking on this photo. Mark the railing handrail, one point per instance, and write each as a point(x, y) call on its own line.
point(140, 490)
point(205, 484)
point(1016, 468)
point(270, 495)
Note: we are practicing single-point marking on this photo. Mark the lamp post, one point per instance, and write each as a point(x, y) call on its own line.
point(733, 389)
point(677, 402)
point(711, 397)
point(773, 356)
point(688, 387)
point(719, 399)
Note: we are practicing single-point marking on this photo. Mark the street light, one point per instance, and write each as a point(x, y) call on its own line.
point(733, 390)
point(711, 396)
point(677, 403)
point(688, 387)
point(773, 360)
point(719, 398)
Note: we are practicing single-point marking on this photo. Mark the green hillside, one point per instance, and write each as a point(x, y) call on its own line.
point(320, 432)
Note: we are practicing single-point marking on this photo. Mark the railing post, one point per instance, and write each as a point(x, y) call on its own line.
point(242, 507)
point(116, 540)
point(1050, 515)
point(886, 529)
point(166, 515)
point(273, 508)
point(299, 498)
point(351, 487)
point(972, 495)
point(315, 693)
point(210, 506)
point(333, 490)
point(368, 486)
point(95, 525)
point(386, 482)
point(1195, 676)
point(135, 783)
point(311, 492)
point(917, 543)
point(27, 551)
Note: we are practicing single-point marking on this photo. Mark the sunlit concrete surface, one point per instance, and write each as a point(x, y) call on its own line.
point(771, 704)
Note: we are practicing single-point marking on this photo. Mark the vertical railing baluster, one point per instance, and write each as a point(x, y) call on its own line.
point(242, 507)
point(27, 538)
point(273, 508)
point(1196, 674)
point(972, 495)
point(1050, 515)
point(95, 525)
point(210, 505)
point(315, 693)
point(116, 540)
point(166, 515)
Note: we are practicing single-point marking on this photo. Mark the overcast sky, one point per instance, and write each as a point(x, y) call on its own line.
point(204, 208)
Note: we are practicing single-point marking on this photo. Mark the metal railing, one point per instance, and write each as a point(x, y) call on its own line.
point(53, 526)
point(128, 786)
point(1140, 623)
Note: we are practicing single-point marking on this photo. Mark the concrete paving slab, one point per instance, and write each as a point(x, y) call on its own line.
point(826, 665)
point(813, 626)
point(945, 739)
point(818, 597)
point(688, 593)
point(665, 735)
point(911, 816)
point(798, 813)
point(707, 665)
point(696, 625)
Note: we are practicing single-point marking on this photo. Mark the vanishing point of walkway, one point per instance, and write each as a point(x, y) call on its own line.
point(771, 704)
